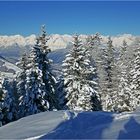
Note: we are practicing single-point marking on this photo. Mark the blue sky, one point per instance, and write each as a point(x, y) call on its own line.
point(69, 17)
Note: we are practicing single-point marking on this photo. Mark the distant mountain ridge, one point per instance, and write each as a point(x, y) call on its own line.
point(56, 41)
point(12, 47)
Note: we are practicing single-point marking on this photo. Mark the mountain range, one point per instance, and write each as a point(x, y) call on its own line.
point(12, 47)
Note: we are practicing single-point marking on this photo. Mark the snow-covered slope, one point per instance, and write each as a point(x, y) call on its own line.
point(7, 69)
point(74, 125)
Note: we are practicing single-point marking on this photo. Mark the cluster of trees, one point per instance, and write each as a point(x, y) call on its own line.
point(95, 77)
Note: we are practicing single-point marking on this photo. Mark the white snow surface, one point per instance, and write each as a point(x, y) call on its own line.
point(8, 66)
point(11, 66)
point(74, 125)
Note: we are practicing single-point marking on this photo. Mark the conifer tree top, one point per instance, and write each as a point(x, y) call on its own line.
point(42, 39)
point(109, 41)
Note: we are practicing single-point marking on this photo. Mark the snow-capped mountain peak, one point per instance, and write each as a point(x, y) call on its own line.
point(57, 41)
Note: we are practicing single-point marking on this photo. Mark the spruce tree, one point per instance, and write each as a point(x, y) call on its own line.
point(60, 91)
point(135, 81)
point(33, 101)
point(93, 43)
point(79, 85)
point(1, 102)
point(45, 66)
point(40, 83)
point(95, 46)
point(10, 107)
point(109, 83)
point(21, 82)
point(122, 100)
point(94, 40)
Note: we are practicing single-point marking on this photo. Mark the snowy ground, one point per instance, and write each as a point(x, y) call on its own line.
point(74, 125)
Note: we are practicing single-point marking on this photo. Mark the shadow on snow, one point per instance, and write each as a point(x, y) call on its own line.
point(84, 126)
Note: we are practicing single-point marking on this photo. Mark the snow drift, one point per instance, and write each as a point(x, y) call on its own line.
point(74, 125)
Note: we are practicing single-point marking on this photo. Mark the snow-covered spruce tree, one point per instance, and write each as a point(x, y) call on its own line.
point(45, 66)
point(94, 45)
point(1, 101)
point(135, 82)
point(21, 82)
point(110, 80)
point(33, 100)
point(94, 40)
point(122, 100)
point(60, 91)
point(79, 85)
point(40, 83)
point(10, 107)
